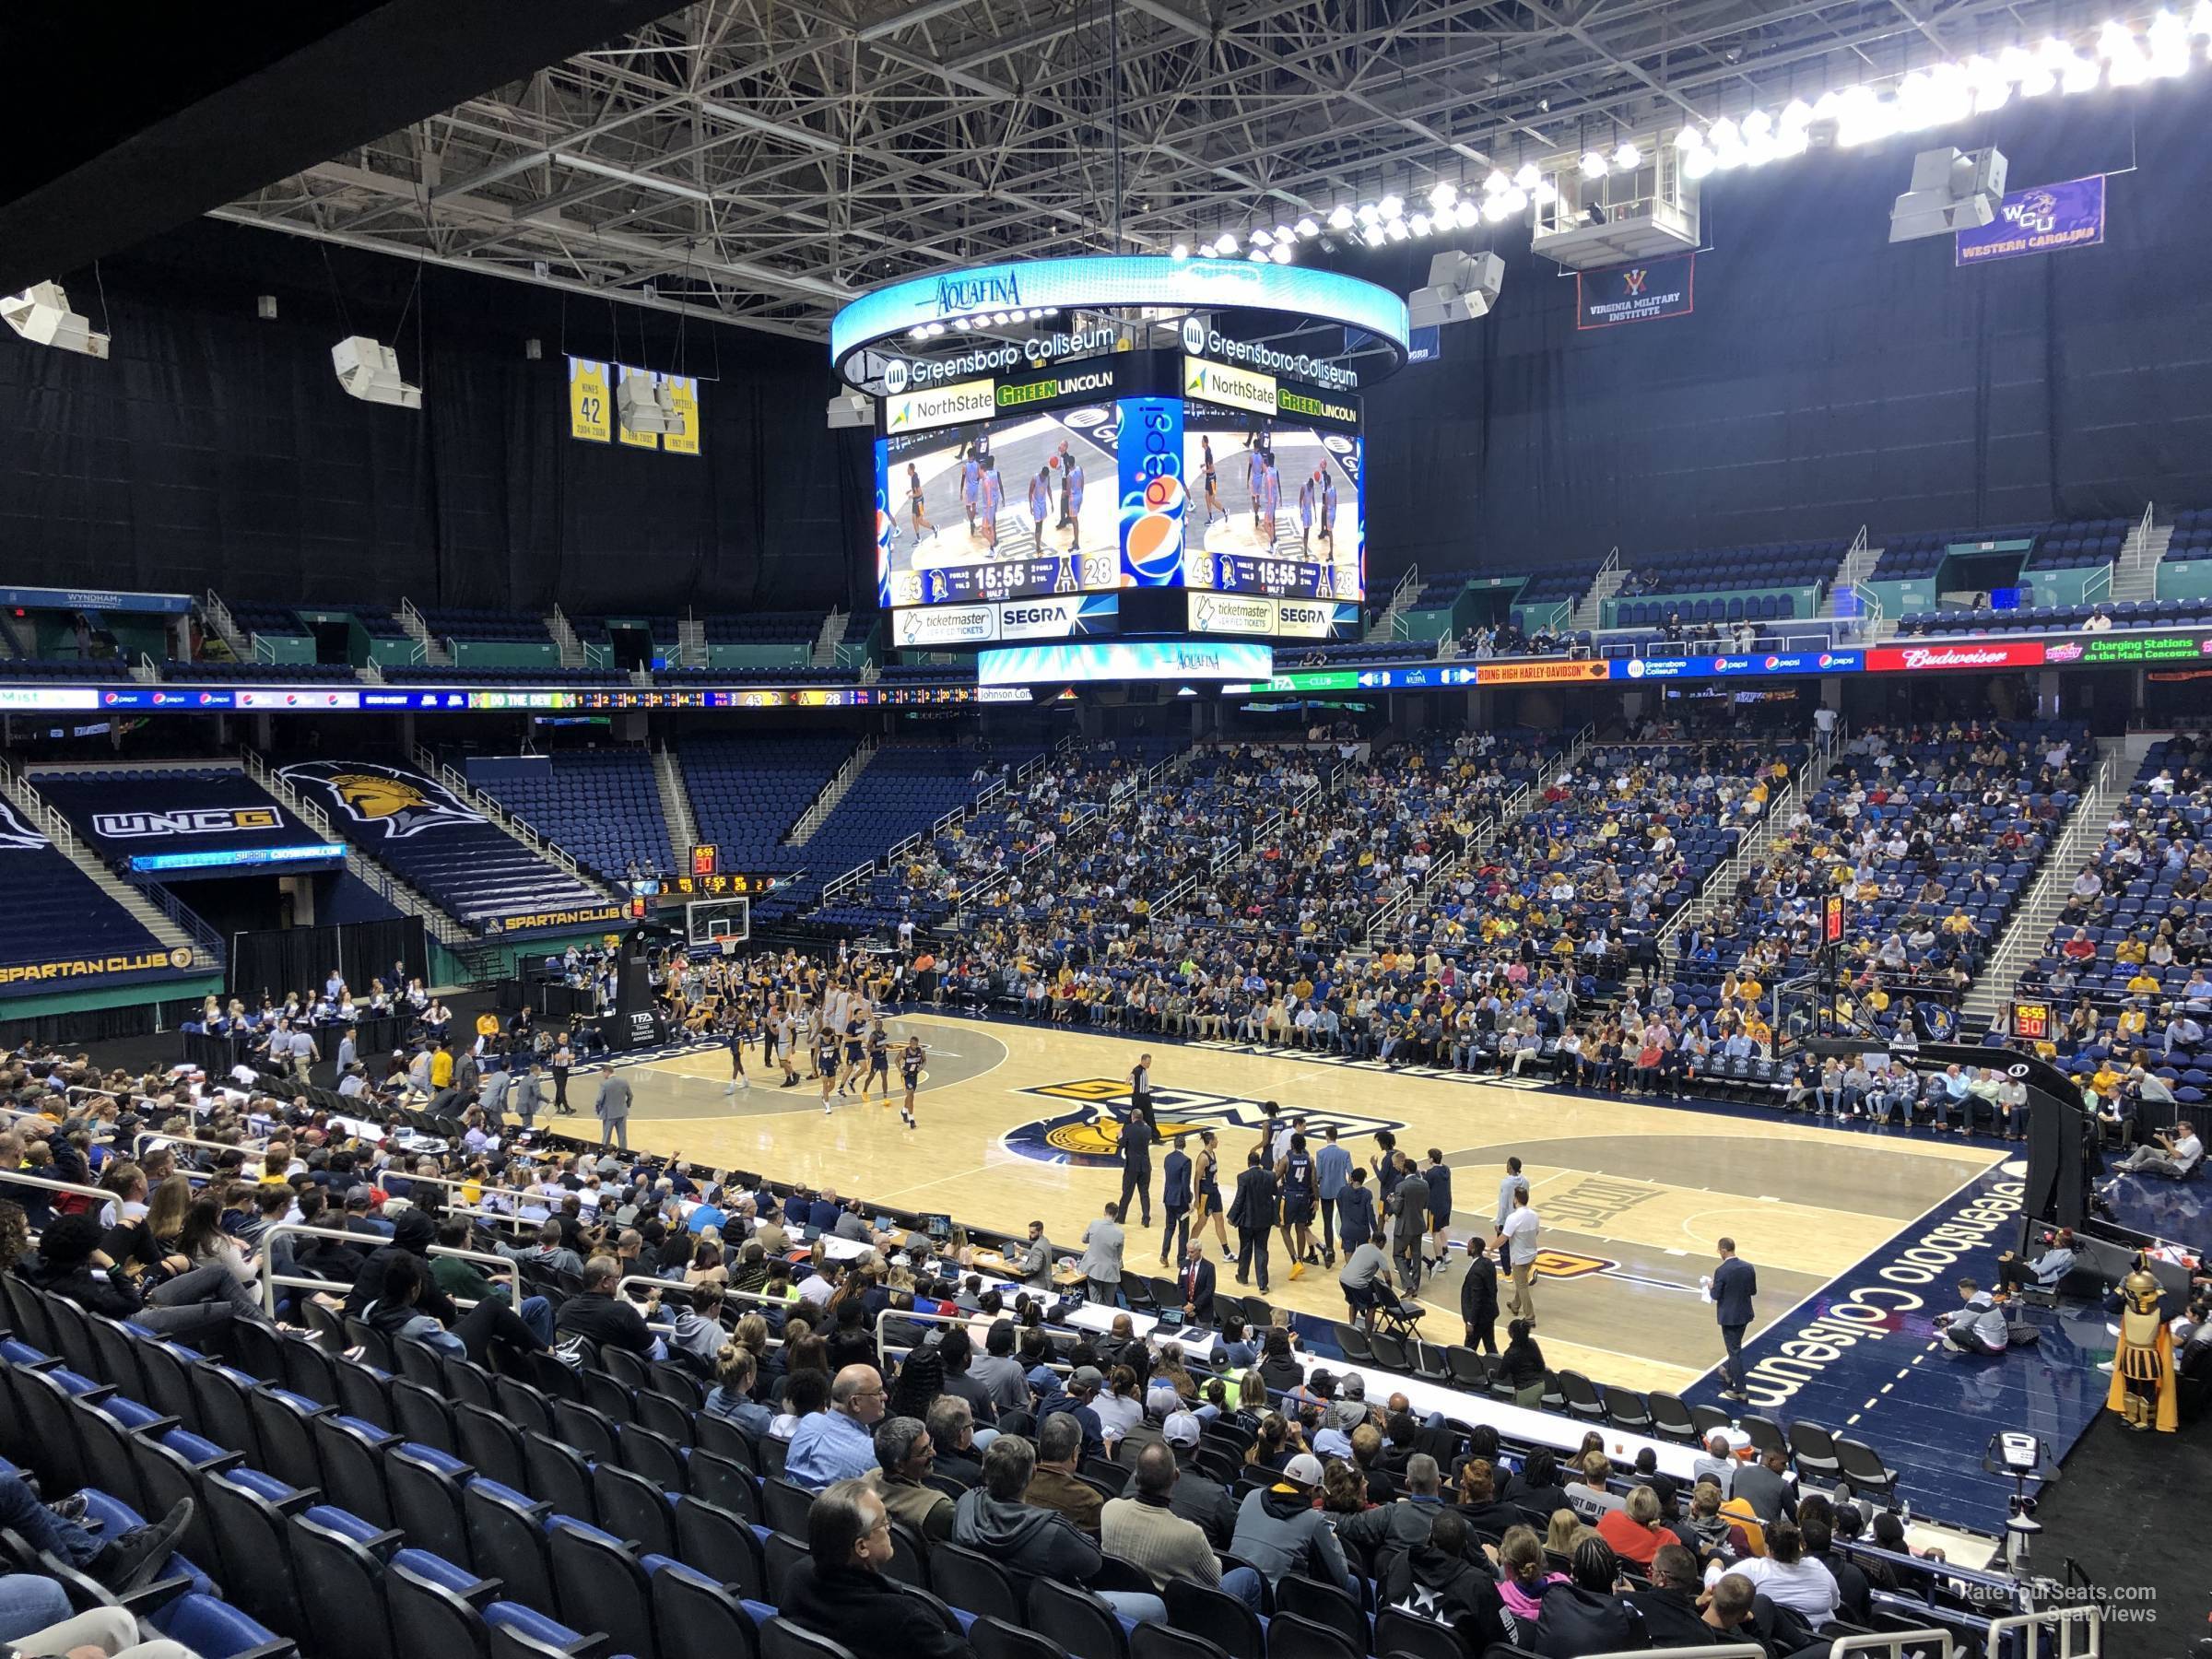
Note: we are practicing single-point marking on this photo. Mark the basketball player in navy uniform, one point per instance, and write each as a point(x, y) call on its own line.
point(1294, 1175)
point(910, 1074)
point(1206, 1185)
point(913, 502)
point(1214, 508)
point(825, 1060)
point(1328, 507)
point(856, 1050)
point(880, 1062)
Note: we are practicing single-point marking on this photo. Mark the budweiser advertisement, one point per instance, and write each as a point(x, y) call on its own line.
point(1964, 654)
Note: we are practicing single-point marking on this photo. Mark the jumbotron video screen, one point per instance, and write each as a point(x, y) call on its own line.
point(1274, 507)
point(1012, 509)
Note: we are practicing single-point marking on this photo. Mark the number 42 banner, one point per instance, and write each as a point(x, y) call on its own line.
point(592, 417)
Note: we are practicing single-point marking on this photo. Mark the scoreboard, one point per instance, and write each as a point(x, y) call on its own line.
point(1136, 470)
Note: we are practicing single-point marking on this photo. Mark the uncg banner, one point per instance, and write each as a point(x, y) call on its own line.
point(181, 824)
point(1641, 292)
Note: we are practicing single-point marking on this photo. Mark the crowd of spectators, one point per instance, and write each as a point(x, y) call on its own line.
point(1070, 1455)
point(2127, 969)
point(1931, 836)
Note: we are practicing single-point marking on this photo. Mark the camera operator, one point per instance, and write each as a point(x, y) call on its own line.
point(2046, 1271)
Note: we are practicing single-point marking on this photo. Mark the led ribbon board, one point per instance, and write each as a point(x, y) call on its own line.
point(1112, 282)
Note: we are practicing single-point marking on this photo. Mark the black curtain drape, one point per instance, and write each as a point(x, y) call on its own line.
point(215, 450)
point(1825, 379)
point(271, 962)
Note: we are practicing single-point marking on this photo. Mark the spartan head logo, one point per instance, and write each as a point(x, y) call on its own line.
point(15, 836)
point(397, 803)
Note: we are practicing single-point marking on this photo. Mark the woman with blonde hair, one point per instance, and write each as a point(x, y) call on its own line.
point(735, 1373)
point(1559, 1538)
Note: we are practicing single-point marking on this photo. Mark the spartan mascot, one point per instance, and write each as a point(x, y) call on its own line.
point(2143, 1383)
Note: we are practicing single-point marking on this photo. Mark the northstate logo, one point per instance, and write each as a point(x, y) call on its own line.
point(1086, 1133)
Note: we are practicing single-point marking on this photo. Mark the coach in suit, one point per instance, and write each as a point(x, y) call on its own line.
point(1478, 1299)
point(525, 1095)
point(1734, 1286)
point(1135, 1139)
point(612, 1108)
point(1101, 1263)
point(1197, 1285)
point(1175, 1201)
point(1410, 1224)
point(1252, 1213)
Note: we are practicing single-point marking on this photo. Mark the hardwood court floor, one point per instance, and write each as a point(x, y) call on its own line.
point(1631, 1195)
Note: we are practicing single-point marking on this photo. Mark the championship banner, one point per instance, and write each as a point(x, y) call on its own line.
point(1636, 293)
point(590, 402)
point(2041, 221)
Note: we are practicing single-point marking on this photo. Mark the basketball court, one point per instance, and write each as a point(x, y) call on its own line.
point(1631, 1195)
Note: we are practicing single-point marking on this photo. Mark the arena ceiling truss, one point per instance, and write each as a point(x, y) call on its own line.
point(758, 161)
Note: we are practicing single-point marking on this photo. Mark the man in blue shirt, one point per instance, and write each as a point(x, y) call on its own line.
point(839, 1443)
point(1332, 1173)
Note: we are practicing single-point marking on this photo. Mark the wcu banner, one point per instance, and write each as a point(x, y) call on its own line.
point(2041, 221)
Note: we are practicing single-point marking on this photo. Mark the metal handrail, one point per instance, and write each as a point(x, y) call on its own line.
point(447, 1181)
point(1897, 1644)
point(271, 1278)
point(24, 1178)
point(142, 1136)
point(884, 1348)
point(2060, 1622)
point(2141, 538)
point(2028, 930)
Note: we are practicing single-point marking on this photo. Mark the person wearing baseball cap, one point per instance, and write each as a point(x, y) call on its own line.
point(1197, 1496)
point(1280, 1531)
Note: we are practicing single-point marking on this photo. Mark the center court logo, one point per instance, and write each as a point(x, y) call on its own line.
point(1077, 1137)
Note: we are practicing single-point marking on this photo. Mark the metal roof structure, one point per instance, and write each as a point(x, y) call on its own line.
point(759, 161)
